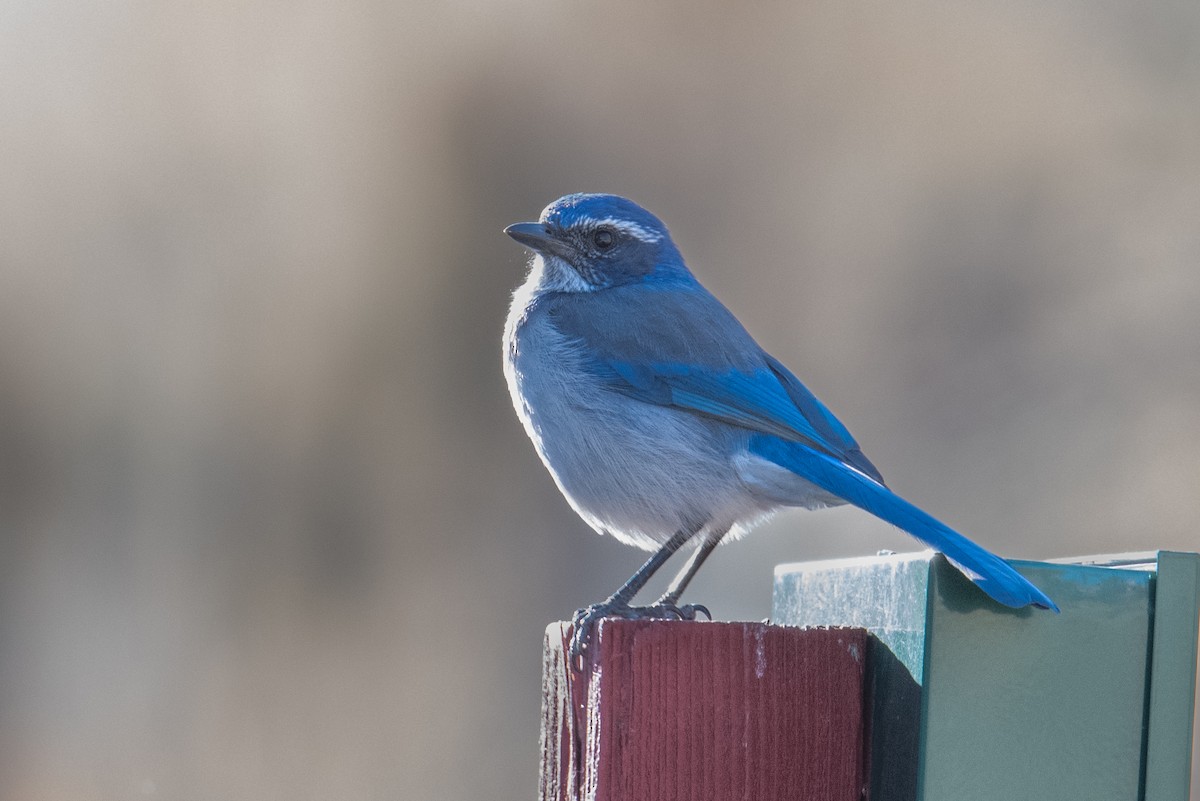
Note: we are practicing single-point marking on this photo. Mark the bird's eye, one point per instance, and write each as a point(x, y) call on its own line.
point(603, 238)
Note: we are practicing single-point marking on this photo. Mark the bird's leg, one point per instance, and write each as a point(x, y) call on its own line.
point(671, 597)
point(617, 604)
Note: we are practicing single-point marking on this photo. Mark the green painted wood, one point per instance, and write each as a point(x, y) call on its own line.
point(1016, 703)
point(1173, 676)
point(1172, 690)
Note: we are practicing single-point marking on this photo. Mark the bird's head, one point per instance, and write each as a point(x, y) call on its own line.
point(589, 242)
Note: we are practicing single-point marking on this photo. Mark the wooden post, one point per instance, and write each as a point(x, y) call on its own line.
point(697, 710)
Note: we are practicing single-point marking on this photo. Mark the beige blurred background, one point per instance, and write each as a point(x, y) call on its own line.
point(269, 528)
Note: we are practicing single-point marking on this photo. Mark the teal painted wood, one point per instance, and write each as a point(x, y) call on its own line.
point(1173, 676)
point(1017, 703)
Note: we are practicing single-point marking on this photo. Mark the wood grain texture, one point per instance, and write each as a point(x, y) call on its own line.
point(696, 710)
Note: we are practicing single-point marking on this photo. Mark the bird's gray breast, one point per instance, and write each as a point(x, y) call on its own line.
point(638, 470)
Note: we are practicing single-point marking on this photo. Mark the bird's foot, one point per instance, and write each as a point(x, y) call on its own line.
point(586, 619)
point(689, 611)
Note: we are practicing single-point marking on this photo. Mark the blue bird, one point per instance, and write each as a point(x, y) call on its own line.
point(663, 421)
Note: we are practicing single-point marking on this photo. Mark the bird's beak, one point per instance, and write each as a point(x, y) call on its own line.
point(532, 235)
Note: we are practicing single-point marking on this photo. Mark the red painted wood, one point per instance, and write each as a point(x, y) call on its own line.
point(683, 711)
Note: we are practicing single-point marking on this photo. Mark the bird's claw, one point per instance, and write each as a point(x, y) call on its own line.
point(690, 611)
point(584, 620)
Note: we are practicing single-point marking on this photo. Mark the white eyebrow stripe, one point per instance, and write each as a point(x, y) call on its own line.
point(631, 228)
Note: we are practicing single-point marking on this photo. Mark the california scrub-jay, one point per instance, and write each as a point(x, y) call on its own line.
point(661, 419)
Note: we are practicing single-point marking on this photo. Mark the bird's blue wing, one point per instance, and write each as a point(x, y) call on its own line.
point(822, 419)
point(749, 400)
point(678, 346)
point(754, 400)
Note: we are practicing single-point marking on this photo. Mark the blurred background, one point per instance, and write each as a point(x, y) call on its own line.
point(269, 528)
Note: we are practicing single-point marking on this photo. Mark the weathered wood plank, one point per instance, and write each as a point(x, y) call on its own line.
point(688, 711)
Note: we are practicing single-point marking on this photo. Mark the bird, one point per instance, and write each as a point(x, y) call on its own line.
point(663, 422)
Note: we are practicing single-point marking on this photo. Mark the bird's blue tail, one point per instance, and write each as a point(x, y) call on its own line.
point(993, 575)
